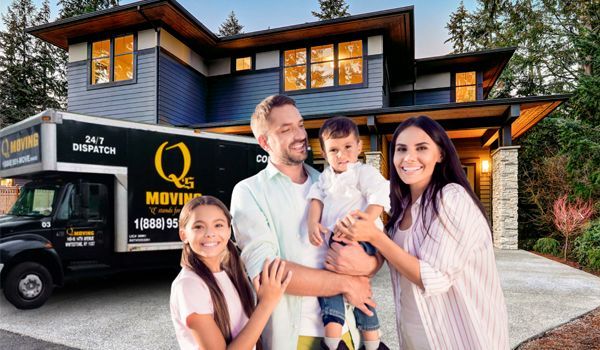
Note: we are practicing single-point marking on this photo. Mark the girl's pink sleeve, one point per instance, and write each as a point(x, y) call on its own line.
point(192, 296)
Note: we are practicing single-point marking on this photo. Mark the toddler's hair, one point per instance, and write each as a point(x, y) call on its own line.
point(337, 128)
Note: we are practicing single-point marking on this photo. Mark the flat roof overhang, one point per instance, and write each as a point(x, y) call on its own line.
point(395, 24)
point(478, 119)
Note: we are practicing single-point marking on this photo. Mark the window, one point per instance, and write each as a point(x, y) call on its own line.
point(329, 65)
point(466, 87)
point(243, 63)
point(350, 62)
point(112, 60)
point(321, 68)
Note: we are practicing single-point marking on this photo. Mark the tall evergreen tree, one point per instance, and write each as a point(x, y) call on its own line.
point(18, 91)
point(331, 9)
point(70, 8)
point(50, 68)
point(231, 26)
point(458, 27)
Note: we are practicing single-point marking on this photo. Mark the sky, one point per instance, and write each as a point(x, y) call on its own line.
point(431, 16)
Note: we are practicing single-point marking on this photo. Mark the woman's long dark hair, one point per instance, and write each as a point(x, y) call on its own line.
point(231, 264)
point(449, 170)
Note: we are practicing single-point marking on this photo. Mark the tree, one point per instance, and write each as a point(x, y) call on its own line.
point(231, 26)
point(458, 28)
point(331, 9)
point(72, 8)
point(17, 64)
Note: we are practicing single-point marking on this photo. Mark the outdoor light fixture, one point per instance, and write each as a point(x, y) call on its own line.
point(485, 166)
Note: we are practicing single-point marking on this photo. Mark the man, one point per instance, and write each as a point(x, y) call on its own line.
point(269, 220)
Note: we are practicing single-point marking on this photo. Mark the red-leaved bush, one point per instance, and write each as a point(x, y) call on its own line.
point(570, 217)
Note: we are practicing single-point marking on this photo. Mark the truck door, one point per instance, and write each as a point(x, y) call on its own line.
point(81, 231)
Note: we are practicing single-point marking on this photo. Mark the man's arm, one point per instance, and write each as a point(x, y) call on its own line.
point(315, 282)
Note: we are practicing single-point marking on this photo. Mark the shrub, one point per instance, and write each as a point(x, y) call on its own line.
point(587, 246)
point(547, 245)
point(570, 217)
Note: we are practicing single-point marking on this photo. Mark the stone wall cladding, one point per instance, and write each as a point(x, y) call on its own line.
point(505, 197)
point(374, 159)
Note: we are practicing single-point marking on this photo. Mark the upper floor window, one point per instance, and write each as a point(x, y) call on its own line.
point(329, 65)
point(112, 60)
point(243, 63)
point(466, 87)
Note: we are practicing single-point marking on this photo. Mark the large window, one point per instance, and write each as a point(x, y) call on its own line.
point(112, 60)
point(466, 86)
point(329, 65)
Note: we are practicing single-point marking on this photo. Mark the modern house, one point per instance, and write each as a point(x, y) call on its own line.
point(153, 62)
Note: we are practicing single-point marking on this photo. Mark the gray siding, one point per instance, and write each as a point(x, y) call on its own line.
point(432, 97)
point(181, 93)
point(133, 102)
point(346, 100)
point(232, 97)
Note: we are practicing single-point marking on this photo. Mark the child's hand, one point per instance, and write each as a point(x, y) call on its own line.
point(272, 285)
point(314, 233)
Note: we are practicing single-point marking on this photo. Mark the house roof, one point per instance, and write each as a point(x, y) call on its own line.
point(490, 62)
point(395, 24)
point(478, 119)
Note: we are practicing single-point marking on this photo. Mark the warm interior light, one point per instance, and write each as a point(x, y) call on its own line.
point(485, 166)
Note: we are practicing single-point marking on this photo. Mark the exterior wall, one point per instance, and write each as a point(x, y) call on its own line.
point(234, 96)
point(182, 92)
point(505, 169)
point(346, 100)
point(470, 152)
point(132, 102)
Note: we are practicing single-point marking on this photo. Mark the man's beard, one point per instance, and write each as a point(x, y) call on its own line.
point(290, 159)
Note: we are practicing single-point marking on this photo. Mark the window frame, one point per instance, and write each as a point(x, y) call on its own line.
point(336, 86)
point(478, 85)
point(111, 82)
point(246, 71)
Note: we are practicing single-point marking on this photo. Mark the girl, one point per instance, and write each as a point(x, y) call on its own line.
point(212, 305)
point(446, 286)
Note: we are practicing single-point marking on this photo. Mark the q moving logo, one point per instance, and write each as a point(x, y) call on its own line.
point(172, 163)
point(175, 175)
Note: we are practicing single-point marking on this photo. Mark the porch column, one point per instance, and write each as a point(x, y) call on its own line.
point(505, 197)
point(374, 159)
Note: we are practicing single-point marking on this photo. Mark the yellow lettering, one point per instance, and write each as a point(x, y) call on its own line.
point(151, 198)
point(170, 198)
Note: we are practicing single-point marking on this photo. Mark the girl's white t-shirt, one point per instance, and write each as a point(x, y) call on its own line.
point(190, 294)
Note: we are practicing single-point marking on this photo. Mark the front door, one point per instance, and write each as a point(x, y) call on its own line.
point(81, 223)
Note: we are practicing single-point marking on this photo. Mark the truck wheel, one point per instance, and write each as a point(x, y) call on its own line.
point(28, 285)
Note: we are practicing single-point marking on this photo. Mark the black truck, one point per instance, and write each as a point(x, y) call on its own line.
point(104, 195)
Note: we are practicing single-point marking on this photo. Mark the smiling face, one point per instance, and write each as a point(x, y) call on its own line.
point(415, 157)
point(286, 140)
point(207, 232)
point(342, 151)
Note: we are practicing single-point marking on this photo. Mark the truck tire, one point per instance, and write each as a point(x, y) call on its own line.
point(28, 285)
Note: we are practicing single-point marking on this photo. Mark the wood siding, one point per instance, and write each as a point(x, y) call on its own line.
point(470, 151)
point(132, 102)
point(232, 97)
point(182, 93)
point(346, 100)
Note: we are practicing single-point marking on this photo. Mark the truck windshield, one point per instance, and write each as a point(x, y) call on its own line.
point(34, 201)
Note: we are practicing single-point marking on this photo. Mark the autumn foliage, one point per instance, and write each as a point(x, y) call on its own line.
point(570, 217)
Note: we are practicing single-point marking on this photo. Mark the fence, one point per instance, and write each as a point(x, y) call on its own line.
point(8, 196)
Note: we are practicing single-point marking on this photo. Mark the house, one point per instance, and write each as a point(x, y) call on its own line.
point(153, 62)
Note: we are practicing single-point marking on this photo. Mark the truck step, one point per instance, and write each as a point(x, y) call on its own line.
point(76, 267)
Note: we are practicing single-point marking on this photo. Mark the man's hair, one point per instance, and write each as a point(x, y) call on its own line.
point(337, 128)
point(260, 118)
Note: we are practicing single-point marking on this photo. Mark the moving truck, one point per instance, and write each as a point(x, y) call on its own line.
point(104, 195)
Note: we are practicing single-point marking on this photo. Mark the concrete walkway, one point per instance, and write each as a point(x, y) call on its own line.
point(132, 312)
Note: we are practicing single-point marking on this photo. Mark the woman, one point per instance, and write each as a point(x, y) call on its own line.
point(446, 286)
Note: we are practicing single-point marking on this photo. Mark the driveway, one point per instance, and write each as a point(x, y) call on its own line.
point(132, 312)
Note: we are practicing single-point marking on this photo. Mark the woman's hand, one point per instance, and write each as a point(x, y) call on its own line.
point(356, 226)
point(272, 284)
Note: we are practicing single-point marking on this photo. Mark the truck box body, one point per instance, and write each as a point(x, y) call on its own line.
point(105, 192)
